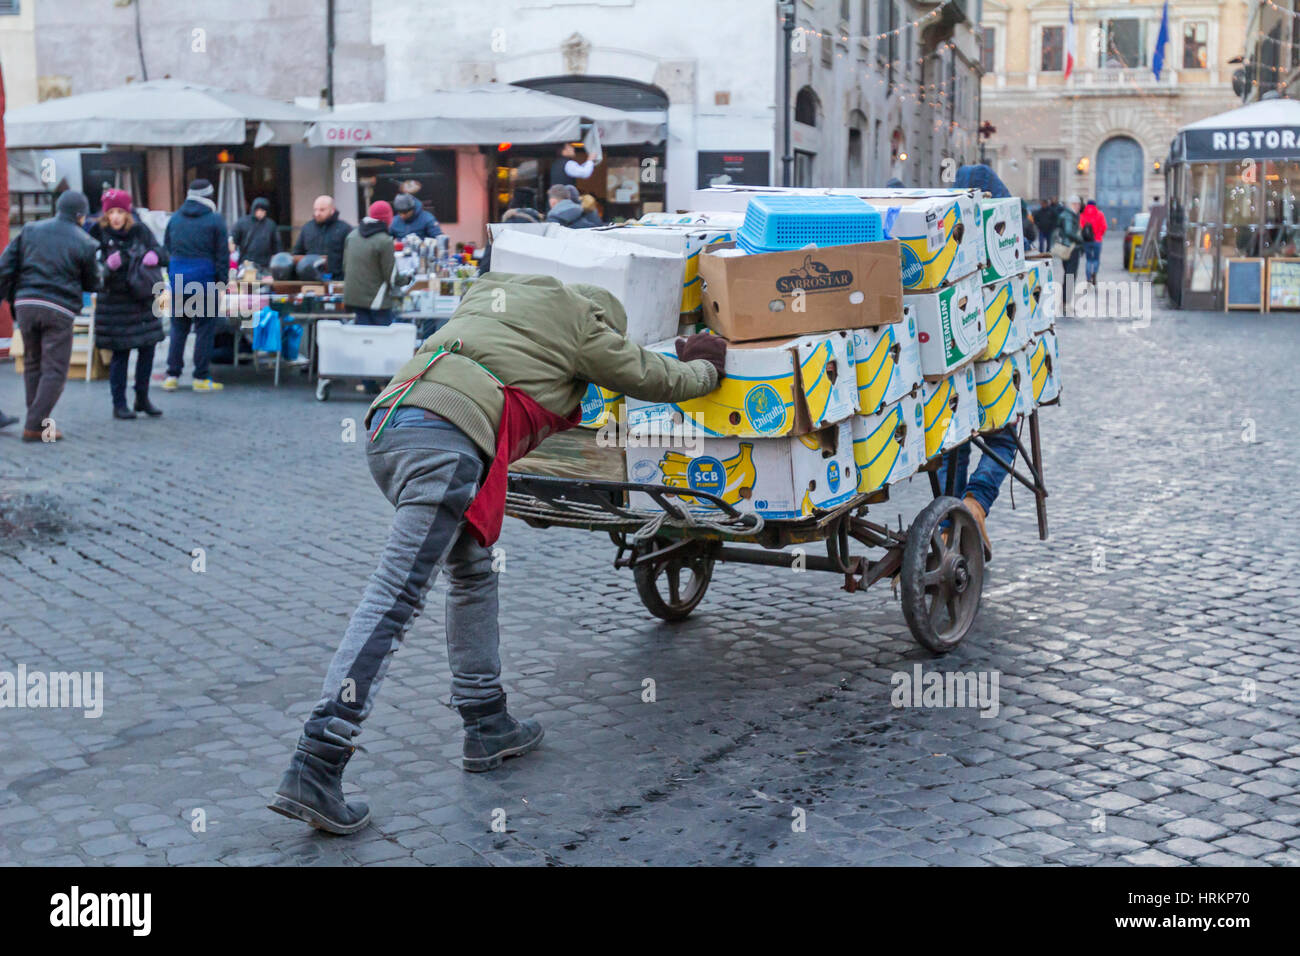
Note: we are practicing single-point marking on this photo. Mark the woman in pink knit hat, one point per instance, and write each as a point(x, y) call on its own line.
point(125, 319)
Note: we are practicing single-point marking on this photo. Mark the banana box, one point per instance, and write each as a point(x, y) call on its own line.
point(1044, 371)
point(1007, 307)
point(889, 445)
point(776, 477)
point(1002, 387)
point(1004, 238)
point(938, 237)
point(722, 220)
point(772, 388)
point(1040, 285)
point(886, 363)
point(687, 241)
point(951, 411)
point(949, 325)
point(599, 406)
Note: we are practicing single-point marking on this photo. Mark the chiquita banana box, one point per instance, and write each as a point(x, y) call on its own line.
point(1044, 371)
point(599, 405)
point(937, 237)
point(889, 445)
point(1007, 306)
point(886, 363)
point(776, 477)
point(772, 387)
point(1003, 389)
point(949, 325)
point(1040, 285)
point(1004, 238)
point(951, 411)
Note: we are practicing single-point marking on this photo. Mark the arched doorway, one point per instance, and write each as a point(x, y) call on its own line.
point(1119, 181)
point(857, 158)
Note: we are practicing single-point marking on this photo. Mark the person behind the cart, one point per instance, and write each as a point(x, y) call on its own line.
point(509, 369)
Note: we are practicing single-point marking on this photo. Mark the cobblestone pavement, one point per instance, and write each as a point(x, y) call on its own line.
point(1147, 654)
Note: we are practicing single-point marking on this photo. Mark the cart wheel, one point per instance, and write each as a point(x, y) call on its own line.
point(942, 574)
point(323, 390)
point(684, 578)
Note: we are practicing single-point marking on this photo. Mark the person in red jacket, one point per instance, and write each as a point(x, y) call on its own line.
point(1092, 223)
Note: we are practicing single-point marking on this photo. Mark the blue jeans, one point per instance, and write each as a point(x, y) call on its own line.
point(1092, 258)
point(983, 486)
point(373, 317)
point(1044, 241)
point(204, 332)
point(430, 475)
point(194, 287)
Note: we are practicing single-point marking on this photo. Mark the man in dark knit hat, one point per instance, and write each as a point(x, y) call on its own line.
point(199, 248)
point(43, 274)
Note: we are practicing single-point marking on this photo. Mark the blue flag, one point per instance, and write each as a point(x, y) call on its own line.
point(1162, 40)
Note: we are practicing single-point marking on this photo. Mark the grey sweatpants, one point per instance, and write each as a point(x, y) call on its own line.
point(430, 475)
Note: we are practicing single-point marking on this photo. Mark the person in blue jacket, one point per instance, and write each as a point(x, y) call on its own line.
point(412, 219)
point(981, 489)
point(197, 244)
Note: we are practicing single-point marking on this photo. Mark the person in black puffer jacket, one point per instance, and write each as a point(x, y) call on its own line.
point(324, 235)
point(124, 320)
point(256, 236)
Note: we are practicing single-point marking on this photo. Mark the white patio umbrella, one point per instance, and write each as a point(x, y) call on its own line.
point(497, 113)
point(156, 113)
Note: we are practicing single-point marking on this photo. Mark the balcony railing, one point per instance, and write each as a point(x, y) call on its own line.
point(1115, 80)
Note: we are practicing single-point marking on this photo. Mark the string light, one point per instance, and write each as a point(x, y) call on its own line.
point(845, 38)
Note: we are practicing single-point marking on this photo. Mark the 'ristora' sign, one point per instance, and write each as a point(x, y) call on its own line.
point(1262, 142)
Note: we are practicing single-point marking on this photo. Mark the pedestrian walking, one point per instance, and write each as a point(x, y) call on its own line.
point(510, 368)
point(256, 235)
point(197, 242)
point(1067, 245)
point(44, 273)
point(368, 259)
point(1092, 227)
point(126, 318)
point(1045, 222)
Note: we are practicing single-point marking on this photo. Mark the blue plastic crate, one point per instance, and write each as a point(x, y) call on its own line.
point(778, 223)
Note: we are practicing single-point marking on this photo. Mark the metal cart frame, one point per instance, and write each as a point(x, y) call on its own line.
point(938, 560)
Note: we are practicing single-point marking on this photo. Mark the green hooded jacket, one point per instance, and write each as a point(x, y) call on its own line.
point(549, 340)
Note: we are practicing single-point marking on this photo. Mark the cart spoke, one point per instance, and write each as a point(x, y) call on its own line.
point(953, 614)
point(674, 584)
point(937, 607)
point(932, 578)
point(954, 543)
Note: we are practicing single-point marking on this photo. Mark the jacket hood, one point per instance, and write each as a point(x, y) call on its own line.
point(565, 211)
point(370, 226)
point(195, 208)
point(983, 178)
point(611, 309)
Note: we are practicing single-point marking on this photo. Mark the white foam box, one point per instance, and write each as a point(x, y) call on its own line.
point(1040, 285)
point(646, 280)
point(1003, 389)
point(951, 411)
point(772, 387)
point(368, 351)
point(1004, 238)
point(688, 241)
point(949, 325)
point(890, 445)
point(1043, 361)
point(886, 363)
point(775, 477)
point(1007, 308)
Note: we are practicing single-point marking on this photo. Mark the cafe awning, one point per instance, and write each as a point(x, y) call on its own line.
point(482, 115)
point(1268, 129)
point(156, 113)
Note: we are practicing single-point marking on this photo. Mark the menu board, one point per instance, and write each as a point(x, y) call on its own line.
point(1243, 284)
point(1283, 284)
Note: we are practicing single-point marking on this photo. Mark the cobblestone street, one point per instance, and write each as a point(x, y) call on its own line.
point(1147, 651)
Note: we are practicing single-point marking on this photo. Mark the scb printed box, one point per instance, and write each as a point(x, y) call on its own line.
point(775, 477)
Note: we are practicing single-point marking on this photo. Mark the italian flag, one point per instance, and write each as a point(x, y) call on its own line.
point(1069, 43)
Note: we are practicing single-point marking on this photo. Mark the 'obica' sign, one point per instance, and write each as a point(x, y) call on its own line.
point(1260, 143)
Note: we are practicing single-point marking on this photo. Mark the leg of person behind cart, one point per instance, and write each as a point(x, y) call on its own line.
point(430, 475)
point(373, 317)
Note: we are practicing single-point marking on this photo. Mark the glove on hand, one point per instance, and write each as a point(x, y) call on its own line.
point(150, 258)
point(114, 261)
point(702, 345)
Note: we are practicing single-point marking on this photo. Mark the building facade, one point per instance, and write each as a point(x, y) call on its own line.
point(1104, 132)
point(1272, 50)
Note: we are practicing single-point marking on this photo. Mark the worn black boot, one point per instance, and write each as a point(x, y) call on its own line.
point(121, 411)
point(312, 789)
point(492, 735)
point(142, 404)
